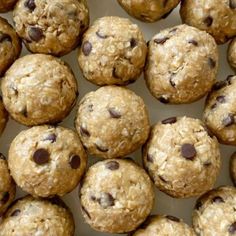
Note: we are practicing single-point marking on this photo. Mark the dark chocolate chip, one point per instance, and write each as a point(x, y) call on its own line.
point(51, 137)
point(208, 21)
point(211, 63)
point(218, 199)
point(24, 112)
point(194, 42)
point(5, 197)
point(228, 120)
point(161, 40)
point(112, 165)
point(15, 212)
point(213, 106)
point(232, 4)
point(173, 218)
point(232, 228)
point(100, 35)
point(107, 200)
point(41, 156)
point(218, 85)
point(85, 211)
point(170, 120)
point(229, 78)
point(35, 33)
point(188, 151)
point(114, 113)
point(84, 131)
point(149, 157)
point(163, 100)
point(86, 48)
point(30, 4)
point(2, 157)
point(74, 161)
point(198, 205)
point(207, 164)
point(220, 99)
point(101, 149)
point(172, 82)
point(5, 37)
point(133, 43)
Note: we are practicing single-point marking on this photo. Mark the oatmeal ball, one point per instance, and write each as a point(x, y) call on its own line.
point(220, 111)
point(51, 27)
point(6, 5)
point(113, 51)
point(3, 117)
point(7, 185)
point(163, 225)
point(181, 157)
point(149, 11)
point(232, 54)
point(116, 196)
point(10, 45)
point(233, 168)
point(217, 17)
point(214, 213)
point(37, 93)
point(47, 161)
point(182, 64)
point(112, 122)
point(30, 216)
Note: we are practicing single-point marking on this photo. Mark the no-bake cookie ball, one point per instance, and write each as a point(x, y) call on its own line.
point(116, 196)
point(39, 89)
point(149, 11)
point(113, 51)
point(51, 27)
point(182, 64)
point(6, 5)
point(29, 216)
point(217, 17)
point(181, 157)
point(10, 45)
point(163, 225)
point(232, 54)
point(112, 122)
point(214, 213)
point(3, 116)
point(233, 168)
point(7, 186)
point(47, 161)
point(220, 111)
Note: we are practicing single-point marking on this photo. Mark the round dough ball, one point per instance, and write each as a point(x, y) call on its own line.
point(7, 185)
point(182, 64)
point(39, 89)
point(116, 196)
point(164, 225)
point(51, 27)
point(214, 213)
point(232, 54)
point(3, 117)
point(149, 11)
point(29, 216)
point(220, 111)
point(233, 168)
point(181, 157)
point(10, 45)
point(112, 122)
point(47, 160)
point(113, 51)
point(217, 17)
point(6, 5)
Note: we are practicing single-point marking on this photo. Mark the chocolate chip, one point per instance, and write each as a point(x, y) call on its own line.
point(161, 40)
point(86, 48)
point(149, 157)
point(232, 228)
point(232, 4)
point(114, 73)
point(51, 137)
point(57, 201)
point(220, 99)
point(188, 151)
point(208, 21)
point(173, 30)
point(41, 156)
point(229, 78)
point(163, 100)
point(5, 197)
point(228, 120)
point(74, 161)
point(30, 4)
point(107, 200)
point(100, 35)
point(2, 157)
point(85, 211)
point(101, 149)
point(207, 164)
point(173, 218)
point(172, 82)
point(114, 113)
point(170, 120)
point(217, 199)
point(24, 112)
point(15, 212)
point(162, 179)
point(112, 165)
point(5, 37)
point(198, 205)
point(194, 42)
point(211, 63)
point(213, 106)
point(133, 43)
point(84, 131)
point(219, 85)
point(35, 33)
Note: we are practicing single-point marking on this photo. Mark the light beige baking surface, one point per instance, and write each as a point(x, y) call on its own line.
point(157, 111)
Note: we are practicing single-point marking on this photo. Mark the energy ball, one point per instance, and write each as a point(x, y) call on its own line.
point(163, 225)
point(7, 185)
point(182, 64)
point(233, 168)
point(10, 45)
point(47, 161)
point(112, 122)
point(113, 51)
point(6, 5)
point(220, 111)
point(181, 157)
point(51, 27)
point(116, 196)
point(3, 117)
point(30, 216)
point(214, 213)
point(149, 11)
point(232, 54)
point(217, 17)
point(39, 89)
